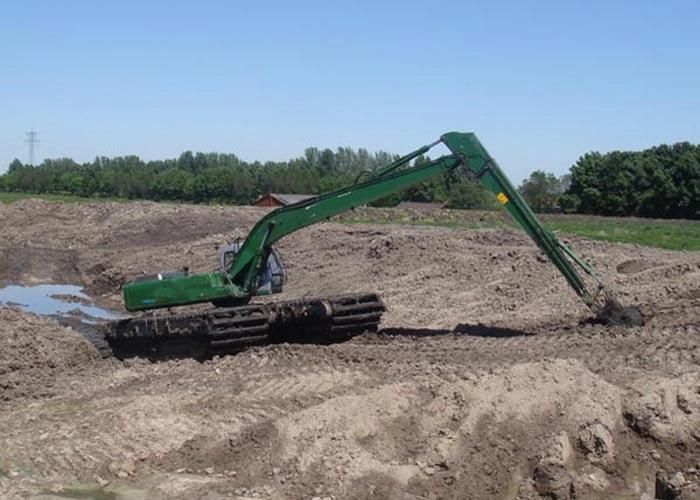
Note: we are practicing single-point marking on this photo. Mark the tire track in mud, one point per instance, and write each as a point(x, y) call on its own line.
point(274, 381)
point(614, 353)
point(138, 428)
point(266, 398)
point(304, 383)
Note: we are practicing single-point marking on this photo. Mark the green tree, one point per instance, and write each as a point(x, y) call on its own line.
point(541, 191)
point(14, 166)
point(470, 194)
point(663, 181)
point(173, 184)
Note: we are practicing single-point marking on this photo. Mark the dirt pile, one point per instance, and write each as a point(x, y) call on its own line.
point(98, 244)
point(34, 352)
point(487, 379)
point(437, 435)
point(355, 421)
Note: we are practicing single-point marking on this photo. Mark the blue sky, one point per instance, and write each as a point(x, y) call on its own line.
point(540, 82)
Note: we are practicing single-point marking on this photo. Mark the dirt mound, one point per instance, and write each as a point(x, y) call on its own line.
point(635, 266)
point(487, 379)
point(29, 264)
point(34, 352)
point(431, 435)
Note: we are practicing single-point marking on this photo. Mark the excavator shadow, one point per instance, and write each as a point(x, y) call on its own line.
point(462, 329)
point(197, 347)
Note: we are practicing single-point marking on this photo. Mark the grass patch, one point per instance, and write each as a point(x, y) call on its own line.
point(672, 235)
point(668, 234)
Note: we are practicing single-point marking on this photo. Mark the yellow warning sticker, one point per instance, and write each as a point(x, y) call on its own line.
point(503, 199)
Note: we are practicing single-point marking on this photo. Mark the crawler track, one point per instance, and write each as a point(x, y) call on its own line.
point(228, 330)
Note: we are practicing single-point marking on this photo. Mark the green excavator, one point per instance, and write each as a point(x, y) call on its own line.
point(253, 268)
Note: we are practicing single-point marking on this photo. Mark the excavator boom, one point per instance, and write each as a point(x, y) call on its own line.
point(240, 279)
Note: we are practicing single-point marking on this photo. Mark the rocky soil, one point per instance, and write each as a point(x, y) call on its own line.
point(488, 378)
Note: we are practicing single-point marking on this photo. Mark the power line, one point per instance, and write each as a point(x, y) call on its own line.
point(33, 141)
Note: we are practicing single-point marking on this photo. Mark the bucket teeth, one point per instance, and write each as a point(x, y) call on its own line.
point(232, 329)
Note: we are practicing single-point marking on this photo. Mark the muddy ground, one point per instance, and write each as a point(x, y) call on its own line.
point(487, 379)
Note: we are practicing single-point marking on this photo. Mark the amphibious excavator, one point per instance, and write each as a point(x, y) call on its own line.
point(254, 268)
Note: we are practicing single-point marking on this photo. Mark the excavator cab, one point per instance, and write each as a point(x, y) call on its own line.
point(272, 275)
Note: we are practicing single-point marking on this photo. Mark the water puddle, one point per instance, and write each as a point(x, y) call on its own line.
point(55, 300)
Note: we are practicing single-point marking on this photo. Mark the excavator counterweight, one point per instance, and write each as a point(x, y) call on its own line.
point(253, 268)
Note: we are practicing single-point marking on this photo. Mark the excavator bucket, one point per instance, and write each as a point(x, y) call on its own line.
point(613, 312)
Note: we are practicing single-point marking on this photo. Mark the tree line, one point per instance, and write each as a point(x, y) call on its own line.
point(225, 178)
point(663, 181)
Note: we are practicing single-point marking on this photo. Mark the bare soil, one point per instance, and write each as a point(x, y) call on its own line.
point(487, 379)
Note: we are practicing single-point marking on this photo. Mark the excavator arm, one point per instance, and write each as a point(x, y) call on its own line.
point(467, 151)
point(286, 220)
point(481, 166)
point(240, 279)
point(237, 325)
